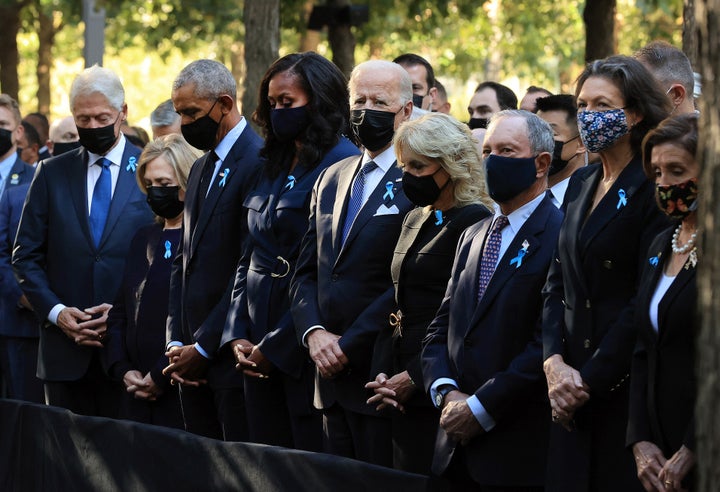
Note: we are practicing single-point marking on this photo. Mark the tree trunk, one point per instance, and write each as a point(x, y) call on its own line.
point(689, 37)
point(309, 39)
point(262, 41)
point(493, 62)
point(599, 19)
point(9, 27)
point(46, 39)
point(342, 41)
point(707, 16)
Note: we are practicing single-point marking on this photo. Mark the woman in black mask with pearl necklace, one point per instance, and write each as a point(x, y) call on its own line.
point(443, 177)
point(304, 115)
point(135, 352)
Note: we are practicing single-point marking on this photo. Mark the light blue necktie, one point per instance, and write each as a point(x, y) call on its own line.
point(356, 197)
point(100, 205)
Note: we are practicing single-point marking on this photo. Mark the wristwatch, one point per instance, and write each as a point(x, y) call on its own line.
point(442, 392)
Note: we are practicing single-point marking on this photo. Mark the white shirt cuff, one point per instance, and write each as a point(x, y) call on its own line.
point(55, 312)
point(478, 410)
point(201, 350)
point(307, 332)
point(438, 382)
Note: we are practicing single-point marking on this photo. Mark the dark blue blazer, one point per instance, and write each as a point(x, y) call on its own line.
point(56, 260)
point(348, 289)
point(493, 350)
point(15, 320)
point(203, 271)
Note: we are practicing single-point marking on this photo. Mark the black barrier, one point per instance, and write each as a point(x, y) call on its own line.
point(51, 449)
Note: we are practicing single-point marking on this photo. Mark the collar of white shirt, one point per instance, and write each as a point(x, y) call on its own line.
point(223, 148)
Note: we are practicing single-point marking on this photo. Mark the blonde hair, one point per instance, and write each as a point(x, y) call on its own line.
point(444, 139)
point(175, 150)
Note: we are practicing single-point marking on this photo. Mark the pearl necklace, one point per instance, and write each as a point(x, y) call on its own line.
point(685, 247)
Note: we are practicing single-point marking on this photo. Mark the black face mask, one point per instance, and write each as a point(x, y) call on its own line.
point(558, 164)
point(98, 140)
point(62, 147)
point(5, 141)
point(288, 123)
point(164, 201)
point(201, 133)
point(478, 123)
point(422, 190)
point(507, 177)
point(418, 100)
point(374, 129)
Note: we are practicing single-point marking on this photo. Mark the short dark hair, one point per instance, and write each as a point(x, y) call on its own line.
point(506, 98)
point(31, 134)
point(559, 102)
point(533, 89)
point(440, 88)
point(668, 64)
point(411, 59)
point(328, 111)
point(43, 125)
point(637, 86)
point(680, 130)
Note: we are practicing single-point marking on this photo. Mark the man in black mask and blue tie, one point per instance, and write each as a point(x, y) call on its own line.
point(83, 207)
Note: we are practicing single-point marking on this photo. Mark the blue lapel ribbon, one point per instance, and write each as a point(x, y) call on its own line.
point(517, 261)
point(654, 261)
point(291, 182)
point(168, 250)
point(131, 165)
point(623, 201)
point(224, 177)
point(439, 217)
point(389, 191)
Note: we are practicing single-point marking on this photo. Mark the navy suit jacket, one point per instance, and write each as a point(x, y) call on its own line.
point(493, 350)
point(56, 260)
point(15, 320)
point(203, 271)
point(347, 288)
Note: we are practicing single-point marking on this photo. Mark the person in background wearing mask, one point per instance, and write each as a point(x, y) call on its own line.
point(13, 171)
point(443, 177)
point(423, 81)
point(29, 144)
point(214, 231)
point(482, 358)
point(134, 352)
point(63, 136)
point(342, 290)
point(588, 327)
point(82, 210)
point(488, 99)
point(570, 154)
point(304, 115)
point(164, 120)
point(533, 93)
point(40, 122)
point(673, 71)
point(440, 102)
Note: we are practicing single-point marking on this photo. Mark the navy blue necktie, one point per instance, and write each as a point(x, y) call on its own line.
point(101, 198)
point(356, 197)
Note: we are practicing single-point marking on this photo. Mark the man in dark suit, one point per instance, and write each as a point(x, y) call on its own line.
point(42, 126)
point(482, 359)
point(204, 94)
point(13, 171)
point(342, 291)
point(81, 211)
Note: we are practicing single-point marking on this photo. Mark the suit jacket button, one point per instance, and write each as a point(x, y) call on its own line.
point(586, 343)
point(587, 303)
point(466, 343)
point(97, 258)
point(334, 277)
point(607, 264)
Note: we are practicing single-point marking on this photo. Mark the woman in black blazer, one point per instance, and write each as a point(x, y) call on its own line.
point(135, 351)
point(662, 381)
point(588, 330)
point(443, 176)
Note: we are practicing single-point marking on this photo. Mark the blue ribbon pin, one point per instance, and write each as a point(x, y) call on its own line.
point(654, 261)
point(439, 217)
point(623, 201)
point(168, 250)
point(224, 177)
point(131, 166)
point(521, 253)
point(291, 182)
point(389, 192)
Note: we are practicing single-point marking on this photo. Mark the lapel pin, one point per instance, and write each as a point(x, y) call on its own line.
point(692, 259)
point(655, 260)
point(224, 175)
point(438, 217)
point(14, 179)
point(168, 250)
point(291, 182)
point(131, 165)
point(389, 191)
point(521, 253)
point(623, 200)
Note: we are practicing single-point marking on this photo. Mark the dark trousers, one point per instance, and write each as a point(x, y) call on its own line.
point(457, 479)
point(18, 358)
point(413, 438)
point(355, 435)
point(164, 411)
point(93, 394)
point(216, 413)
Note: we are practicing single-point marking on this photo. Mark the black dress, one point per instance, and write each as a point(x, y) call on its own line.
point(421, 267)
point(136, 324)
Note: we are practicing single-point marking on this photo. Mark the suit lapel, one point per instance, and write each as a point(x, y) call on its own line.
point(410, 231)
point(126, 184)
point(342, 195)
point(471, 272)
point(676, 287)
point(76, 176)
point(647, 288)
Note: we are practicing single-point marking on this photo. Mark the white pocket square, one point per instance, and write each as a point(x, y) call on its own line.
point(385, 210)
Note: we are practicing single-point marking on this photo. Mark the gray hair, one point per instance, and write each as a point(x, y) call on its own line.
point(98, 80)
point(668, 64)
point(211, 79)
point(164, 114)
point(403, 78)
point(540, 133)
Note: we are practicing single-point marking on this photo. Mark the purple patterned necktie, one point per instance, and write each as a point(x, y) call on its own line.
point(490, 254)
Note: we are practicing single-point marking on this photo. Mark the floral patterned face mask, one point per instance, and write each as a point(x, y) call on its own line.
point(678, 200)
point(600, 129)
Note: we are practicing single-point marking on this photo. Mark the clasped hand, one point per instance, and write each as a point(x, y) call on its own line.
point(186, 366)
point(142, 388)
point(457, 419)
point(88, 327)
point(566, 390)
point(250, 360)
point(392, 391)
point(326, 353)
